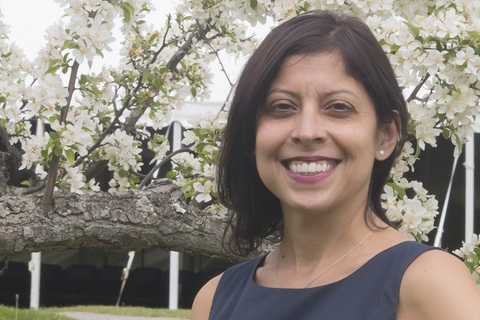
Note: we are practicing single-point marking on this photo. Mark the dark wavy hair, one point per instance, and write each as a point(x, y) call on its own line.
point(255, 212)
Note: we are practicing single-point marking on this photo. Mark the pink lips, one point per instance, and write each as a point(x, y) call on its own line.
point(310, 169)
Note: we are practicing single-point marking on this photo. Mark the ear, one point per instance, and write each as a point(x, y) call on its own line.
point(388, 136)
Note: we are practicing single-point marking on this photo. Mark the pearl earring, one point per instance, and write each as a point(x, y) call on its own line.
point(381, 153)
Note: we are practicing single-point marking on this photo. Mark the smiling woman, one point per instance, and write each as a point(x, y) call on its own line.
point(315, 126)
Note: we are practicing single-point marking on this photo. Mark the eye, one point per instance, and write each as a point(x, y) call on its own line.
point(340, 108)
point(280, 108)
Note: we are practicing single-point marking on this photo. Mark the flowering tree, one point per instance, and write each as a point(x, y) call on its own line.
point(98, 119)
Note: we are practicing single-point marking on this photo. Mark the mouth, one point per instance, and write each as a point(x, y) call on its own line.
point(310, 167)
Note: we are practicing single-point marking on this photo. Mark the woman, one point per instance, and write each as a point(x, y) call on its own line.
point(315, 125)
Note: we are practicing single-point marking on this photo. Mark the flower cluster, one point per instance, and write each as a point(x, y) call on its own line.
point(88, 31)
point(194, 172)
point(416, 211)
point(123, 154)
point(470, 253)
point(14, 70)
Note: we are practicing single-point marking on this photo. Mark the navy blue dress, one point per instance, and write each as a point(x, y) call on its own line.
point(370, 293)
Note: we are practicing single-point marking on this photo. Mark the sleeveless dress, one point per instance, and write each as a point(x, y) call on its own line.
point(369, 293)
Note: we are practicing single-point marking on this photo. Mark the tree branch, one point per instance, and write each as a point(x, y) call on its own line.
point(47, 200)
point(418, 87)
point(149, 176)
point(121, 221)
point(185, 48)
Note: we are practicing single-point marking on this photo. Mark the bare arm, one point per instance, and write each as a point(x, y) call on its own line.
point(438, 286)
point(203, 300)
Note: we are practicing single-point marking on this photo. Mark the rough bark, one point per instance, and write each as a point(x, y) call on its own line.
point(123, 221)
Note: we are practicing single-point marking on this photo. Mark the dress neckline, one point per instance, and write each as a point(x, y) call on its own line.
point(261, 260)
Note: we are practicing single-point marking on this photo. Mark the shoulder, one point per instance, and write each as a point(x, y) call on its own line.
point(235, 276)
point(203, 300)
point(437, 285)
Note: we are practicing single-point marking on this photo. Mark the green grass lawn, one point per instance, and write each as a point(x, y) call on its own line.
point(9, 313)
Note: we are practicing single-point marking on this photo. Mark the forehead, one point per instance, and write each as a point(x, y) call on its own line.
point(325, 70)
point(315, 58)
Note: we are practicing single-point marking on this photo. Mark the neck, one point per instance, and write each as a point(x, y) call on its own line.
point(310, 237)
point(327, 268)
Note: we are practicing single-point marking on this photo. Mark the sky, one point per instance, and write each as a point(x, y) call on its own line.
point(28, 20)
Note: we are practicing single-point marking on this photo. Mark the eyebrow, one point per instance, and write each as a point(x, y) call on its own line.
point(326, 95)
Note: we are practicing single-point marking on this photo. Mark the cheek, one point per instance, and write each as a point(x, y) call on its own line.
point(264, 138)
point(265, 154)
point(263, 169)
point(360, 143)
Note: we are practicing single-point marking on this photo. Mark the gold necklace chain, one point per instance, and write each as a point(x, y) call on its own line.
point(325, 270)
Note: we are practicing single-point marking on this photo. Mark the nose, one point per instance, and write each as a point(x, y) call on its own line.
point(309, 127)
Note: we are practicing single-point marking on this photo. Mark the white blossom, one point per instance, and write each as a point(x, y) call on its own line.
point(189, 137)
point(75, 179)
point(203, 191)
point(469, 252)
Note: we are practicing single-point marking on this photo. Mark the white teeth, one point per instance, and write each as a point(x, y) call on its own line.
point(304, 167)
point(311, 167)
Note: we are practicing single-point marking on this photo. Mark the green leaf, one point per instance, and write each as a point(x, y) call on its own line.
point(95, 90)
point(477, 251)
point(158, 83)
point(25, 183)
point(54, 135)
point(70, 155)
point(128, 11)
point(401, 191)
point(153, 37)
point(253, 4)
point(52, 67)
point(57, 151)
point(6, 55)
point(123, 173)
point(413, 30)
point(44, 153)
point(418, 238)
point(83, 79)
point(99, 52)
point(307, 6)
point(53, 118)
point(70, 44)
point(203, 132)
point(474, 34)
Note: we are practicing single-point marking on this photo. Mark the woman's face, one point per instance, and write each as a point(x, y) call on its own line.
point(317, 136)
